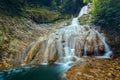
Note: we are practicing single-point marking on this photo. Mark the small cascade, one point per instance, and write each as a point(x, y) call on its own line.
point(108, 52)
point(69, 44)
point(84, 10)
point(85, 53)
point(75, 21)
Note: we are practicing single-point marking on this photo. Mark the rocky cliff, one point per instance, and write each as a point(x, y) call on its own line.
point(16, 35)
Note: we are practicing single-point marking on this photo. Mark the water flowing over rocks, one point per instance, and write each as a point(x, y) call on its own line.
point(69, 44)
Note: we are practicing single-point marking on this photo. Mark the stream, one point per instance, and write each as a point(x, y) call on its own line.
point(35, 72)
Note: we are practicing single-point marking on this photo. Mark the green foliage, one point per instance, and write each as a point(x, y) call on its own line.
point(57, 4)
point(85, 19)
point(106, 13)
point(19, 7)
point(87, 1)
point(38, 3)
point(11, 7)
point(43, 15)
point(72, 7)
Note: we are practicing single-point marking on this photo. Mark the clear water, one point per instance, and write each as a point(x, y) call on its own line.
point(35, 72)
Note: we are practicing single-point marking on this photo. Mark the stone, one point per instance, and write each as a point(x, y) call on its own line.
point(109, 74)
point(79, 73)
point(118, 68)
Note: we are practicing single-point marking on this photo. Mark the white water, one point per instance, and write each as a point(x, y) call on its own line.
point(71, 34)
point(84, 10)
point(72, 29)
point(70, 43)
point(108, 52)
point(76, 29)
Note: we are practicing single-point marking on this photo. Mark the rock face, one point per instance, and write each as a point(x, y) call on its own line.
point(73, 40)
point(43, 15)
point(17, 36)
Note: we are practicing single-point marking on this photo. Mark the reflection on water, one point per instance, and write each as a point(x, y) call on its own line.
point(35, 72)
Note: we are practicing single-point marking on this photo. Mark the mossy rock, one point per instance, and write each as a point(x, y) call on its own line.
point(4, 39)
point(1, 39)
point(43, 15)
point(4, 29)
point(4, 42)
point(0, 32)
point(85, 19)
point(13, 43)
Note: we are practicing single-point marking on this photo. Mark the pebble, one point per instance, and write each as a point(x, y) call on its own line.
point(111, 68)
point(118, 68)
point(109, 74)
point(79, 73)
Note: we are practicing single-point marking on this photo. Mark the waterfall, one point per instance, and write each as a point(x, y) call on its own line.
point(107, 49)
point(108, 52)
point(84, 10)
point(70, 43)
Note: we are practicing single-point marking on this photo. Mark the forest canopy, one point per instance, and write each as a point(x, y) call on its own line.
point(104, 12)
point(15, 7)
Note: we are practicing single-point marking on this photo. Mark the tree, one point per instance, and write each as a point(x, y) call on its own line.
point(87, 1)
point(106, 13)
point(11, 7)
point(72, 7)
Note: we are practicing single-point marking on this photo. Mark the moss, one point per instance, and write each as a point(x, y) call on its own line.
point(12, 46)
point(85, 19)
point(6, 39)
point(6, 29)
point(43, 15)
point(13, 43)
point(1, 39)
point(0, 32)
point(4, 43)
point(86, 28)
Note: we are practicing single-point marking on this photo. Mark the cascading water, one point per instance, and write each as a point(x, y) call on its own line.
point(84, 10)
point(69, 44)
point(108, 52)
